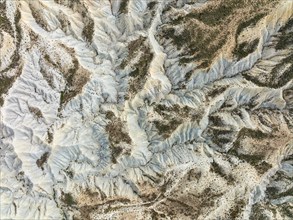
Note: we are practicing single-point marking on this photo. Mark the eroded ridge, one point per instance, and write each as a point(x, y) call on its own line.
point(146, 109)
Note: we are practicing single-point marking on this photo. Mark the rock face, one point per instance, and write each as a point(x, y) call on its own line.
point(146, 109)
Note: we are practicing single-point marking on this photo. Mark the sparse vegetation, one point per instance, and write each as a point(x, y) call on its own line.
point(282, 73)
point(66, 96)
point(116, 151)
point(196, 42)
point(214, 15)
point(5, 84)
point(17, 18)
point(237, 209)
point(262, 166)
point(280, 175)
point(138, 75)
point(174, 177)
point(133, 49)
point(166, 128)
point(43, 159)
point(173, 116)
point(250, 22)
point(69, 173)
point(255, 134)
point(112, 208)
point(76, 77)
point(286, 76)
point(278, 77)
point(193, 175)
point(245, 48)
point(88, 30)
point(258, 212)
point(272, 192)
point(139, 69)
point(256, 160)
point(287, 211)
point(68, 199)
point(285, 38)
point(215, 167)
point(151, 5)
point(110, 115)
point(177, 111)
point(276, 194)
point(37, 15)
point(216, 91)
point(123, 6)
point(85, 212)
point(215, 120)
point(188, 205)
point(105, 207)
point(156, 216)
point(69, 3)
point(203, 32)
point(116, 131)
point(5, 24)
point(36, 112)
point(220, 137)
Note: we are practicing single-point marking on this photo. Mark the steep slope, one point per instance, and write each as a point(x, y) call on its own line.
point(146, 109)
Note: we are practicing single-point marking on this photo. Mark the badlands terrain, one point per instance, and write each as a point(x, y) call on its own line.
point(146, 109)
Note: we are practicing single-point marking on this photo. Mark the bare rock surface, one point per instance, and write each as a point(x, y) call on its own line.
point(146, 109)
